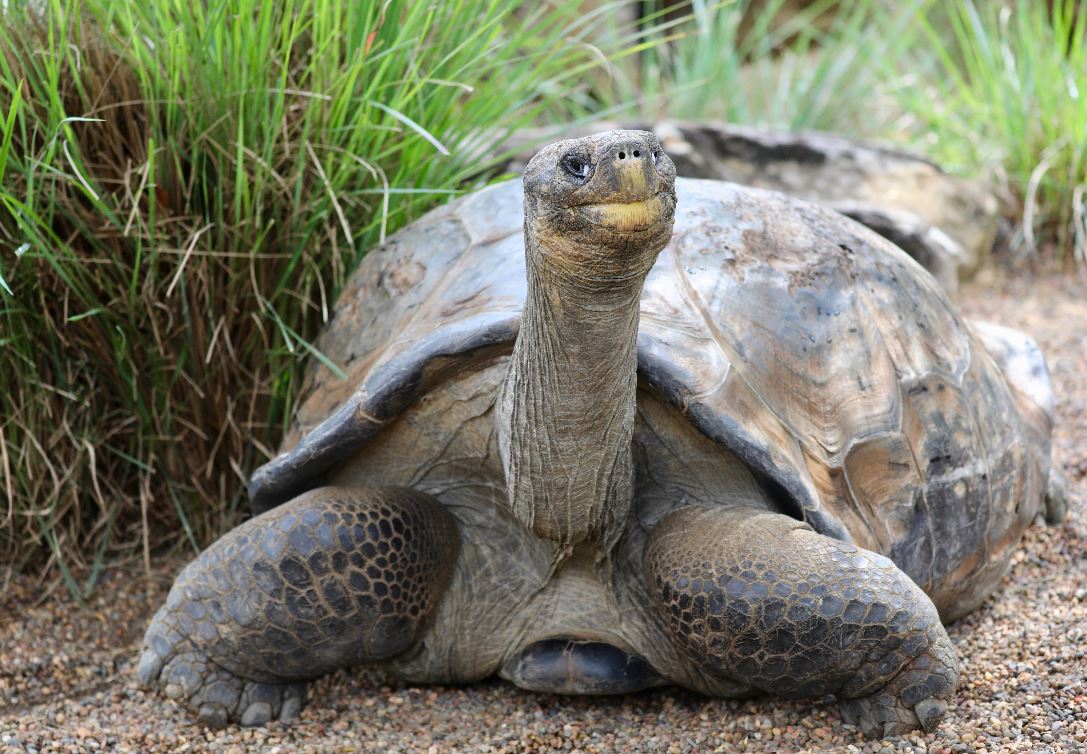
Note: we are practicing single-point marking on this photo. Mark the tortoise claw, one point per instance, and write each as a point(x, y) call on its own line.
point(882, 716)
point(895, 709)
point(930, 712)
point(218, 696)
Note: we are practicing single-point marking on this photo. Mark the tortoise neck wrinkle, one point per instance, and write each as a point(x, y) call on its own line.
point(566, 408)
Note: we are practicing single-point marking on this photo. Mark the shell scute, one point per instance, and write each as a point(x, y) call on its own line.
point(785, 309)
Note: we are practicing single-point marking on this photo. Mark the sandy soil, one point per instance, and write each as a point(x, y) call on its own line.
point(67, 672)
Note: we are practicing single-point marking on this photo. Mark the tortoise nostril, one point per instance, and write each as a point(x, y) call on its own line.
point(629, 152)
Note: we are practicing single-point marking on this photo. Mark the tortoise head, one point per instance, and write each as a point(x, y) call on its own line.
point(600, 208)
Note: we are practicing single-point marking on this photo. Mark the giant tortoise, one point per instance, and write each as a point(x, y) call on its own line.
point(595, 453)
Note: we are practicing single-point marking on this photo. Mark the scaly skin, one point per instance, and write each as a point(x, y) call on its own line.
point(335, 578)
point(760, 598)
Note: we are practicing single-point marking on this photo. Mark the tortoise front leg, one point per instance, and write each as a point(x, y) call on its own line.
point(759, 598)
point(334, 578)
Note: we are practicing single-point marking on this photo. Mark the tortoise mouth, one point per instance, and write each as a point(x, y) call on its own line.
point(628, 216)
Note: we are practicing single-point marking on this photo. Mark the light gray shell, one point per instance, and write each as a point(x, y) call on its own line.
point(816, 351)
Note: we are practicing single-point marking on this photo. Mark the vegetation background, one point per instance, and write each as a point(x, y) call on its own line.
point(184, 186)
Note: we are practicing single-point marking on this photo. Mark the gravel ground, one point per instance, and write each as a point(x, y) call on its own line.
point(67, 673)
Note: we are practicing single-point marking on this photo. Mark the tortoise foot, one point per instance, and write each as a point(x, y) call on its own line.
point(217, 696)
point(334, 578)
point(1056, 498)
point(917, 697)
point(757, 598)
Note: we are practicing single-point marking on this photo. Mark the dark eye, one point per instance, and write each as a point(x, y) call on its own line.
point(656, 154)
point(575, 166)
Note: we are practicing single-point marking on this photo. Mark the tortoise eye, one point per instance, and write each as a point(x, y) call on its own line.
point(575, 166)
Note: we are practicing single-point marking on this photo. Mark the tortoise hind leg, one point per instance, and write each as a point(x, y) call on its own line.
point(761, 599)
point(1056, 498)
point(334, 578)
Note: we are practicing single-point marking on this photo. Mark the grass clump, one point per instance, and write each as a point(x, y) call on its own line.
point(183, 188)
point(1001, 89)
point(774, 63)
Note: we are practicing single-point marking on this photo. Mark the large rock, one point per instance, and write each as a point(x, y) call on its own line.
point(946, 223)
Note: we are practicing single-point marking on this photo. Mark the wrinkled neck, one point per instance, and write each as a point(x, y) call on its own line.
point(566, 410)
point(584, 323)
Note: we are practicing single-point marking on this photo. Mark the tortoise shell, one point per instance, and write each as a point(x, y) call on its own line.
point(812, 349)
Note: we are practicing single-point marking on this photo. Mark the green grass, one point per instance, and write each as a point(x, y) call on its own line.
point(183, 187)
point(769, 64)
point(1000, 90)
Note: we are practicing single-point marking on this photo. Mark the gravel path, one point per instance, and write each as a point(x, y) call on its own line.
point(66, 673)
